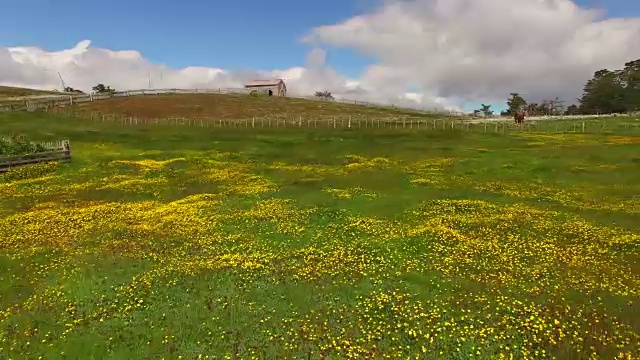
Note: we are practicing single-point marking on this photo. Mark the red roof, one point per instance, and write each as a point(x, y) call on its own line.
point(273, 82)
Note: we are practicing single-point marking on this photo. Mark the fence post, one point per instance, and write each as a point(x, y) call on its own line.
point(253, 122)
point(349, 124)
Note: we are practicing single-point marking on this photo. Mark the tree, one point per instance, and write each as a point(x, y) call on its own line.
point(101, 88)
point(556, 106)
point(486, 110)
point(324, 95)
point(69, 89)
point(612, 91)
point(630, 78)
point(572, 110)
point(515, 103)
point(533, 109)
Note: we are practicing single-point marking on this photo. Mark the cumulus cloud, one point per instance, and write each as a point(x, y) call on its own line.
point(83, 66)
point(481, 50)
point(429, 54)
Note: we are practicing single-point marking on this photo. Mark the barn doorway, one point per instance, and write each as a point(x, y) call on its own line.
point(270, 92)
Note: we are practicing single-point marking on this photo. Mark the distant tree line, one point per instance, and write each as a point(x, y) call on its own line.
point(98, 89)
point(608, 92)
point(324, 95)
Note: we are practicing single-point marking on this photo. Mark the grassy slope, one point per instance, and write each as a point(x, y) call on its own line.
point(444, 242)
point(8, 91)
point(224, 106)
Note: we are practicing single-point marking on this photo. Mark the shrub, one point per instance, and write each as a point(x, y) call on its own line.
point(18, 145)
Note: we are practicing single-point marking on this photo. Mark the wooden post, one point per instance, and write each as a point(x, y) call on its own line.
point(253, 122)
point(583, 126)
point(349, 124)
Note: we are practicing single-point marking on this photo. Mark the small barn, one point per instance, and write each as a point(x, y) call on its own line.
point(274, 87)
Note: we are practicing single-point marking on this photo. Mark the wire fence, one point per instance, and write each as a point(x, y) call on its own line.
point(592, 125)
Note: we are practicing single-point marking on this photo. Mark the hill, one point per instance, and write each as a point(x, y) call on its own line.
point(236, 106)
point(11, 92)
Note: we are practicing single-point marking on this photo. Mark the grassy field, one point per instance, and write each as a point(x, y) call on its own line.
point(8, 91)
point(235, 106)
point(313, 243)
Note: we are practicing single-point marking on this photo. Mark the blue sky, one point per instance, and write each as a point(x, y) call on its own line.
point(228, 34)
point(241, 34)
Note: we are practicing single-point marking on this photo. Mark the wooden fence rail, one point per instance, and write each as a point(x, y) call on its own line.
point(589, 125)
point(56, 151)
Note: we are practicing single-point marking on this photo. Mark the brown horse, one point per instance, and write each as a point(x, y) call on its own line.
point(519, 117)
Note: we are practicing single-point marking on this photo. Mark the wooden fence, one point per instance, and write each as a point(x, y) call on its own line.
point(68, 99)
point(55, 151)
point(356, 122)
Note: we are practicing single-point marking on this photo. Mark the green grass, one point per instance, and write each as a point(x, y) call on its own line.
point(166, 241)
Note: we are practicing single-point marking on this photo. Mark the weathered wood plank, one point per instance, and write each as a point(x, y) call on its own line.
point(33, 161)
point(58, 151)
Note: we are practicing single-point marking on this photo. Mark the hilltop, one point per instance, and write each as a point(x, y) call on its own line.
point(11, 92)
point(236, 106)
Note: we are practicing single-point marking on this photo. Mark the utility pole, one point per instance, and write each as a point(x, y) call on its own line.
point(64, 87)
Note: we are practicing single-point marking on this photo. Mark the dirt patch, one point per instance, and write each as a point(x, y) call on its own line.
point(223, 106)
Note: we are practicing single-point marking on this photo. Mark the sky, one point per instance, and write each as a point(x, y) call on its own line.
point(451, 54)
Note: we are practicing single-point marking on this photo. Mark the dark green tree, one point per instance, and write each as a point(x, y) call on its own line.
point(515, 103)
point(613, 91)
point(101, 88)
point(69, 89)
point(486, 110)
point(603, 94)
point(324, 95)
point(572, 110)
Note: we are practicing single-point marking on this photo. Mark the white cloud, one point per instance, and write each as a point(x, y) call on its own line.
point(84, 66)
point(430, 53)
point(481, 50)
